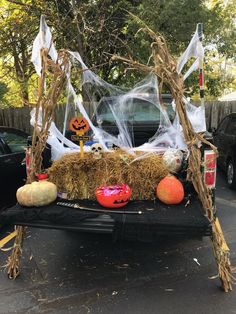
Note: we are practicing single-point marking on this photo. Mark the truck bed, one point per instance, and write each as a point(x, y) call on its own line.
point(155, 219)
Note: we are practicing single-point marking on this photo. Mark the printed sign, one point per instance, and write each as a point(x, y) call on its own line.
point(78, 138)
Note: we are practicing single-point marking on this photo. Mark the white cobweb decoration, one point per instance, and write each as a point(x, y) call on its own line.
point(134, 120)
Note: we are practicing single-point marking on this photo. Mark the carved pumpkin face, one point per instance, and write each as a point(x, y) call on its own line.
point(79, 124)
point(113, 196)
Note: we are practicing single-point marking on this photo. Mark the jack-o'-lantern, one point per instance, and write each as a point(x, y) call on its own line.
point(113, 196)
point(170, 190)
point(79, 125)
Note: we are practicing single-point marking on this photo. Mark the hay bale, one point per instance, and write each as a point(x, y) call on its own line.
point(80, 177)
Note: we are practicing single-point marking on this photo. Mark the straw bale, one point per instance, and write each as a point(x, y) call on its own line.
point(79, 177)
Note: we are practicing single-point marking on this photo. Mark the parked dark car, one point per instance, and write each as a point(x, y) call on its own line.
point(12, 168)
point(225, 141)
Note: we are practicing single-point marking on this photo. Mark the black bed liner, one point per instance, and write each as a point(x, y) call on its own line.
point(156, 218)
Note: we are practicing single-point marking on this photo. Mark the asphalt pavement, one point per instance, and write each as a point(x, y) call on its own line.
point(67, 272)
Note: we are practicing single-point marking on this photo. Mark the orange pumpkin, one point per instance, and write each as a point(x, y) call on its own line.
point(170, 190)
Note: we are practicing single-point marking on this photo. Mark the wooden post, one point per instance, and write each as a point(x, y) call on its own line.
point(81, 145)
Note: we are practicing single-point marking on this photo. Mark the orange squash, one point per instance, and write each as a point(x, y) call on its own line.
point(170, 190)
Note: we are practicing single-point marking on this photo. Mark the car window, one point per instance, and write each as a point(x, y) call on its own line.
point(15, 141)
point(231, 127)
point(137, 111)
point(169, 109)
point(142, 112)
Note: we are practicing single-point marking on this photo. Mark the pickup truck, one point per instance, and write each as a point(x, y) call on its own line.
point(139, 220)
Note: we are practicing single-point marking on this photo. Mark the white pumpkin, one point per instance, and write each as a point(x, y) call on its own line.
point(37, 194)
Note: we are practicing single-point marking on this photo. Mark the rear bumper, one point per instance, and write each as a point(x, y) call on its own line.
point(156, 219)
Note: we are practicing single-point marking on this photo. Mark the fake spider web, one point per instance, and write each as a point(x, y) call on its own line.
point(133, 120)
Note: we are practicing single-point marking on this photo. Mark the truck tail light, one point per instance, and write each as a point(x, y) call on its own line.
point(210, 168)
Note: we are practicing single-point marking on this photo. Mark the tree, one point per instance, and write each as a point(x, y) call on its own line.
point(18, 28)
point(100, 28)
point(224, 35)
point(176, 20)
point(3, 90)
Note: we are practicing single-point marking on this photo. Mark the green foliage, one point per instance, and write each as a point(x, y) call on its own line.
point(224, 34)
point(176, 20)
point(98, 29)
point(3, 90)
point(18, 29)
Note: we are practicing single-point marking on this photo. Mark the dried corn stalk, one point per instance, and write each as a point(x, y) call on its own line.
point(45, 107)
point(13, 262)
point(165, 67)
